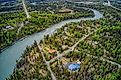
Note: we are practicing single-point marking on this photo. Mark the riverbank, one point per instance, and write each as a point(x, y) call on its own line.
point(15, 51)
point(90, 14)
point(73, 42)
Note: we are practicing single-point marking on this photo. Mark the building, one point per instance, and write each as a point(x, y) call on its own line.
point(9, 27)
point(65, 10)
point(51, 51)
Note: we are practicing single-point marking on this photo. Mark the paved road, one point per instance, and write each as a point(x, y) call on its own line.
point(15, 51)
point(48, 65)
point(14, 11)
point(103, 59)
point(75, 45)
point(21, 25)
point(50, 11)
point(83, 2)
point(109, 4)
point(119, 65)
point(71, 48)
point(24, 6)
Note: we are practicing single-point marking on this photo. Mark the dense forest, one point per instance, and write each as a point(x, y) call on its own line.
point(95, 44)
point(94, 52)
point(38, 22)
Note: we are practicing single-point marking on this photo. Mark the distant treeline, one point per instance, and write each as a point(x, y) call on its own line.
point(6, 0)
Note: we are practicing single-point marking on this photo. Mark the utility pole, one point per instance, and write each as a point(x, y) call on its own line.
point(25, 9)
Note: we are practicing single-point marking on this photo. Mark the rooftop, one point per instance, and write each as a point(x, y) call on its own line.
point(9, 27)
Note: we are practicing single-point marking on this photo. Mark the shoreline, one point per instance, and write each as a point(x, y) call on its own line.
point(21, 39)
point(15, 52)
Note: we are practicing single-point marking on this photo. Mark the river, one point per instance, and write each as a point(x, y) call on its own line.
point(9, 56)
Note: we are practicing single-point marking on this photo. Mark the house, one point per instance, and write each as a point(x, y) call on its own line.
point(9, 27)
point(51, 51)
point(73, 66)
point(65, 10)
